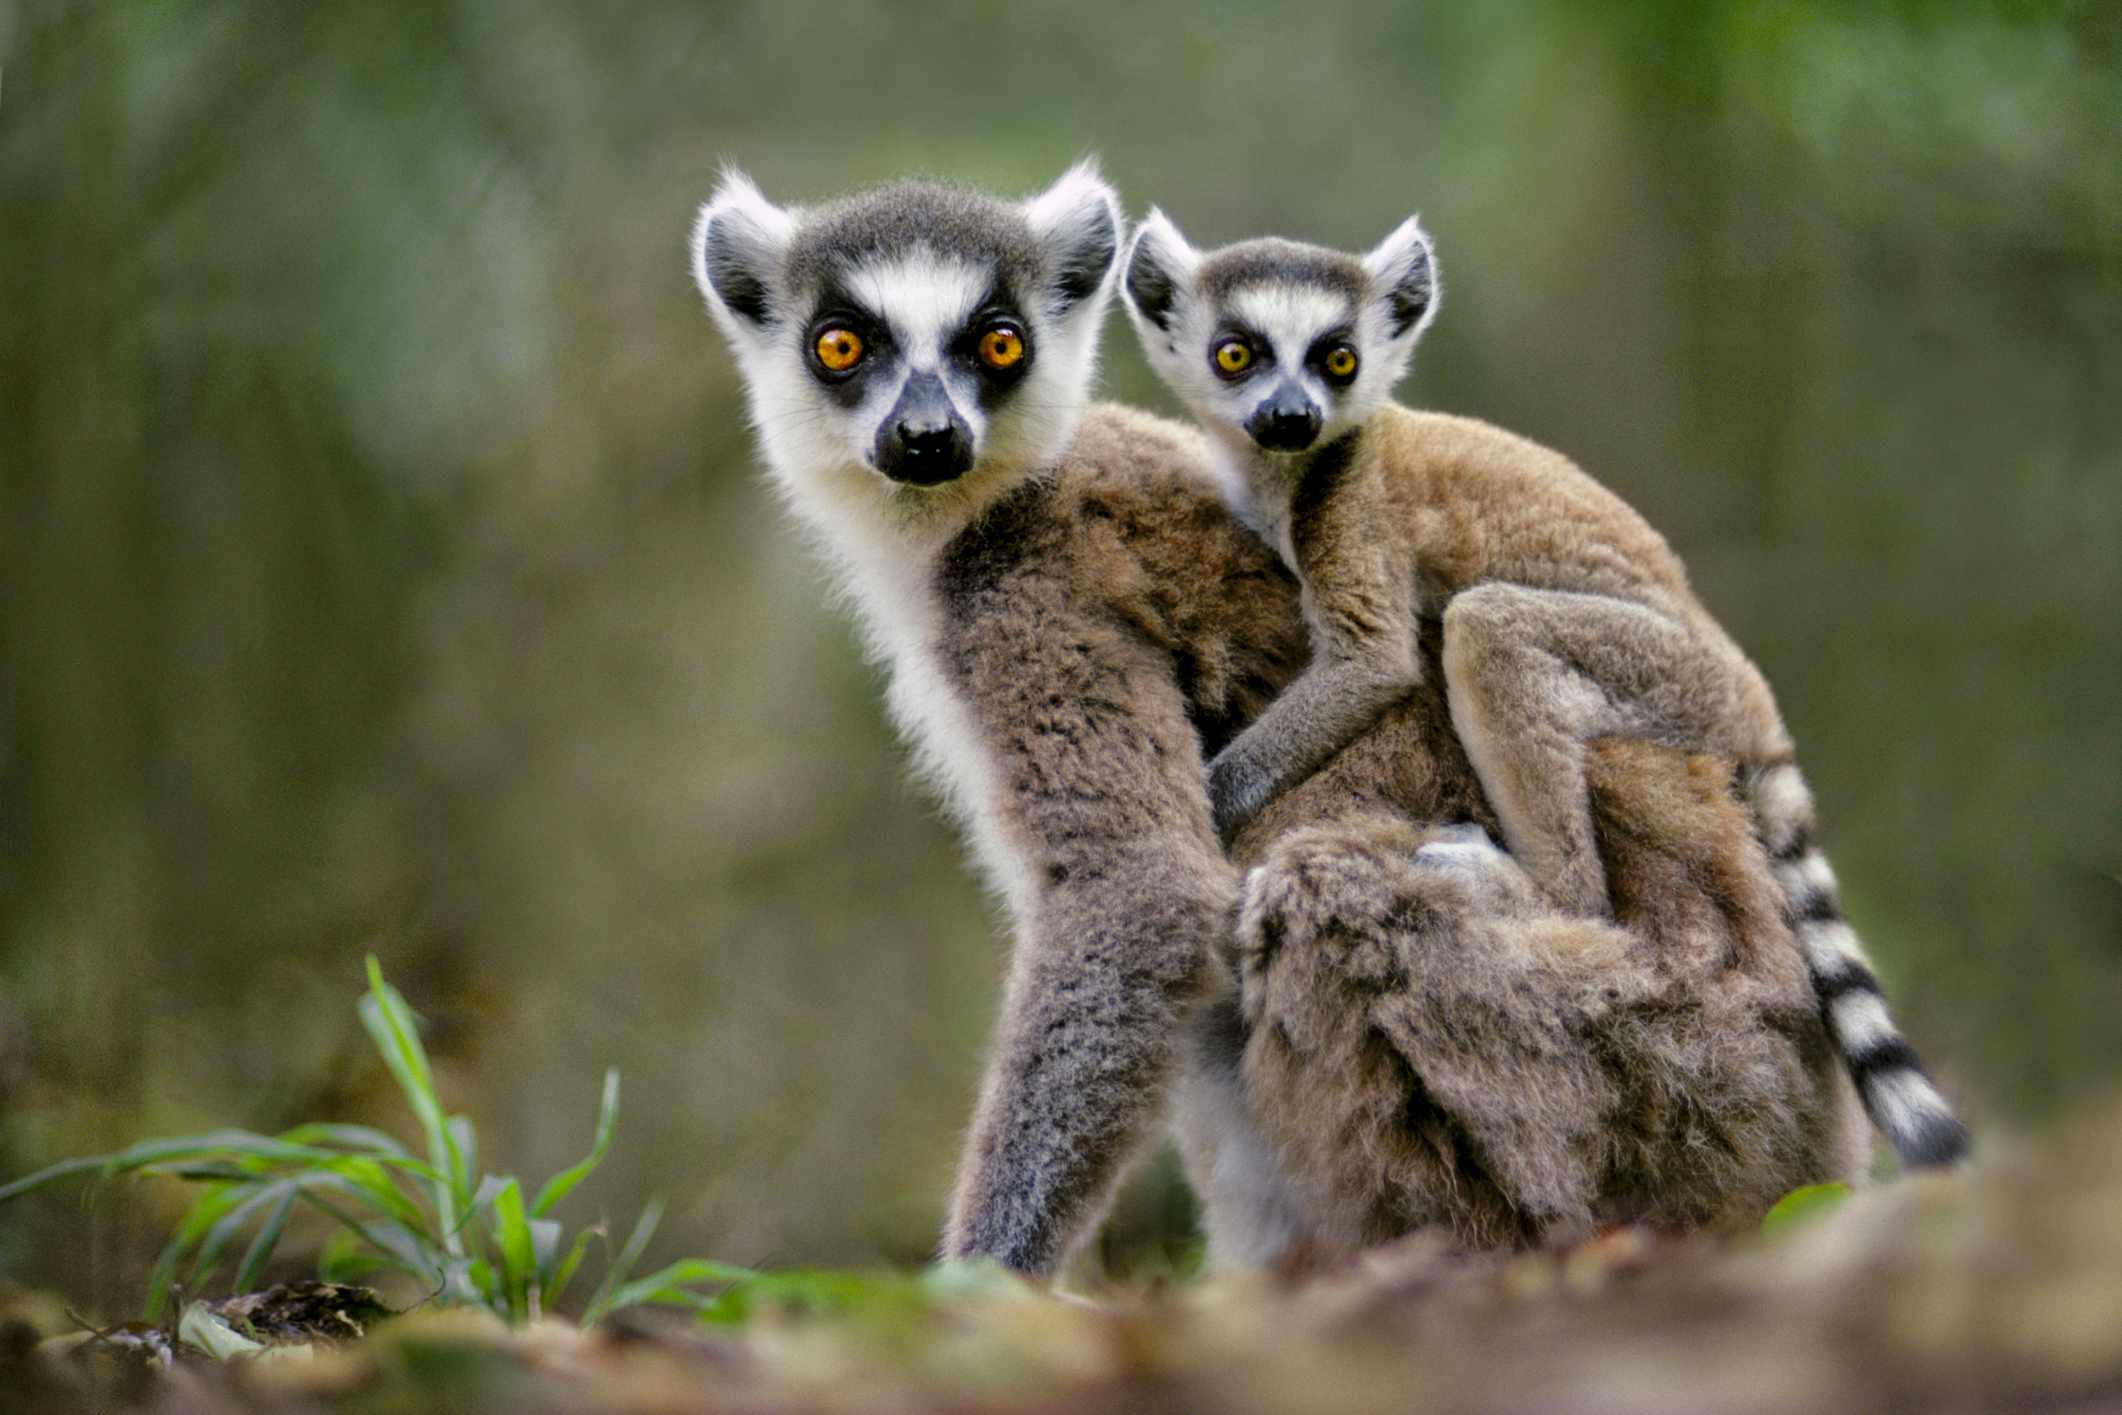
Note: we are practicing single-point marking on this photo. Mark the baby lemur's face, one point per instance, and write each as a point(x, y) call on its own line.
point(1276, 344)
point(904, 342)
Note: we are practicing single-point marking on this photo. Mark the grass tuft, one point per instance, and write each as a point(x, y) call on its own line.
point(470, 1240)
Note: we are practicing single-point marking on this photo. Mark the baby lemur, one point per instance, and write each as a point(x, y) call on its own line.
point(1565, 617)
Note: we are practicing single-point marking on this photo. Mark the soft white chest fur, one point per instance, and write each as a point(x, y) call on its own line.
point(892, 584)
point(1255, 489)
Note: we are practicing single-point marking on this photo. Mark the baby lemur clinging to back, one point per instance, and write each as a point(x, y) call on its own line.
point(1565, 616)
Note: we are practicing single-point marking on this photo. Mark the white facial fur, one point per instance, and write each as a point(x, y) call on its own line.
point(925, 300)
point(1289, 316)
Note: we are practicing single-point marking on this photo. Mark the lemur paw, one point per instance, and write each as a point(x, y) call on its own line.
point(1235, 795)
point(1457, 847)
point(1463, 862)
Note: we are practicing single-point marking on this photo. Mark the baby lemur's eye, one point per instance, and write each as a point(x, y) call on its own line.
point(1001, 347)
point(839, 349)
point(1340, 363)
point(1233, 356)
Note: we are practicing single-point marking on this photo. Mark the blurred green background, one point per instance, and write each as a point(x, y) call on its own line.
point(383, 563)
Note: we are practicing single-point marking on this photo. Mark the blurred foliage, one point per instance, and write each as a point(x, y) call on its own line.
point(383, 567)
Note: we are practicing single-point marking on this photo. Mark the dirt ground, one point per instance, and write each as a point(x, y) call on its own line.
point(1998, 1289)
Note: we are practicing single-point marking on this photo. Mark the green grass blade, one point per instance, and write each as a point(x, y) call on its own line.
point(247, 1168)
point(623, 1261)
point(564, 1271)
point(482, 1203)
point(364, 1140)
point(52, 1174)
point(344, 1260)
point(476, 1281)
point(339, 1185)
point(814, 1291)
point(355, 1265)
point(667, 1286)
point(519, 1258)
point(687, 1270)
point(195, 1173)
point(206, 1211)
point(346, 1137)
point(400, 1039)
point(558, 1186)
point(373, 1180)
point(391, 1026)
point(734, 1307)
point(225, 1229)
point(465, 1139)
point(398, 1246)
point(644, 1293)
point(1803, 1205)
point(222, 1146)
point(214, 1144)
point(262, 1245)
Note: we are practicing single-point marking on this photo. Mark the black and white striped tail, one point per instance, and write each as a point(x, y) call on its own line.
point(1897, 1093)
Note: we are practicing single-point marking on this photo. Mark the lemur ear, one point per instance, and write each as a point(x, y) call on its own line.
point(1076, 222)
point(1403, 273)
point(738, 241)
point(1158, 268)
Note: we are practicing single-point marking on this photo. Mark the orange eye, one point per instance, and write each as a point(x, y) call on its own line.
point(1341, 363)
point(1001, 347)
point(1234, 356)
point(839, 349)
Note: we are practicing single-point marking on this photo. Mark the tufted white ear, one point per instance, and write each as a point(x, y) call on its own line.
point(737, 245)
point(1076, 222)
point(1403, 274)
point(1160, 267)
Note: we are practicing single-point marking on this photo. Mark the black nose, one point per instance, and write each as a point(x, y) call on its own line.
point(926, 456)
point(923, 441)
point(1286, 422)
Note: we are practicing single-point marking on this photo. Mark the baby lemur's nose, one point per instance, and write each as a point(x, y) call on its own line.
point(1285, 422)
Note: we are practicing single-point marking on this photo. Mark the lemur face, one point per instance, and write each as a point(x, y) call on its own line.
point(1285, 344)
point(914, 337)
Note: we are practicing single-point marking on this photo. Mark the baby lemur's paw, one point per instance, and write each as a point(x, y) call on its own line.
point(1465, 846)
point(1463, 862)
point(1236, 793)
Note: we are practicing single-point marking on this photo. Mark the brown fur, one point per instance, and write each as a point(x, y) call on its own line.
point(1437, 1046)
point(1566, 617)
point(1413, 1045)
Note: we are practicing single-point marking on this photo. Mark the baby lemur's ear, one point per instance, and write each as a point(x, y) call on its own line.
point(1076, 222)
point(1160, 266)
point(738, 242)
point(1403, 274)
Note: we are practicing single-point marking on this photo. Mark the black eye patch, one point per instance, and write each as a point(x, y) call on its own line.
point(1342, 335)
point(972, 344)
point(837, 310)
point(1258, 352)
point(1321, 356)
point(999, 366)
